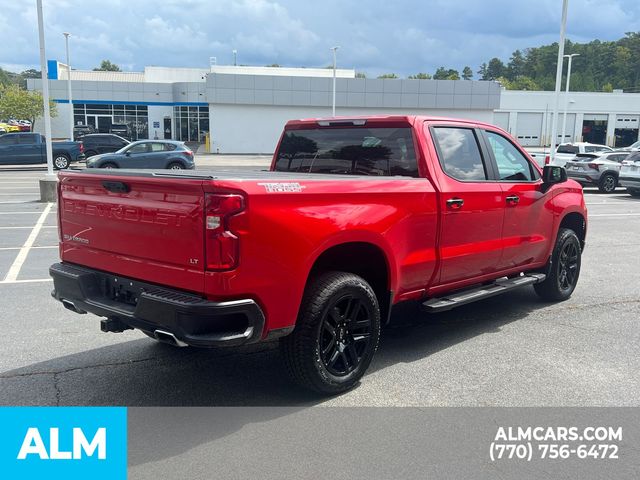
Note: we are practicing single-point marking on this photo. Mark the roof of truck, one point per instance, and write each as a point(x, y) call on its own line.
point(378, 119)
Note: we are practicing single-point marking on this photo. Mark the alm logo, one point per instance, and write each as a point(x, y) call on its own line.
point(34, 445)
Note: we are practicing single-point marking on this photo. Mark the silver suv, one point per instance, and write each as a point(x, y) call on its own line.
point(597, 170)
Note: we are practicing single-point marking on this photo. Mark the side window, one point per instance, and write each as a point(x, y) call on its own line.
point(26, 139)
point(157, 147)
point(512, 165)
point(8, 140)
point(459, 153)
point(590, 149)
point(169, 147)
point(140, 148)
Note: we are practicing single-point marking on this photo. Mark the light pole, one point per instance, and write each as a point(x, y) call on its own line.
point(66, 42)
point(235, 57)
point(333, 102)
point(45, 93)
point(566, 93)
point(556, 107)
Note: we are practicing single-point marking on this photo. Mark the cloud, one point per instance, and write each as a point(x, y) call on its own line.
point(376, 36)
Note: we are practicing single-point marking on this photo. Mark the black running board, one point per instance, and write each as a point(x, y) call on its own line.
point(442, 304)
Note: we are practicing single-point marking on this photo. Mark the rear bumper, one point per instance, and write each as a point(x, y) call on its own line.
point(191, 319)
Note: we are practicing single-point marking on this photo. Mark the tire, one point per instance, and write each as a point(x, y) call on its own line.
point(175, 166)
point(61, 161)
point(564, 271)
point(633, 192)
point(108, 165)
point(336, 335)
point(608, 183)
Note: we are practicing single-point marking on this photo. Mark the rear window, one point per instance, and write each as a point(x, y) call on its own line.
point(351, 151)
point(567, 149)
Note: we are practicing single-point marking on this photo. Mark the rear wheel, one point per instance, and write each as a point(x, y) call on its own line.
point(633, 192)
point(108, 165)
point(563, 273)
point(607, 183)
point(336, 334)
point(175, 166)
point(61, 161)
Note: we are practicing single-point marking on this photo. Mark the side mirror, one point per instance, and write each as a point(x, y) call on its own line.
point(128, 154)
point(552, 174)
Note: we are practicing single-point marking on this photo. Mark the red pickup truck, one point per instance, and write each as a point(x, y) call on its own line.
point(356, 215)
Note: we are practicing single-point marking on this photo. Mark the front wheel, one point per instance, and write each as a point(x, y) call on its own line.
point(563, 273)
point(61, 161)
point(336, 335)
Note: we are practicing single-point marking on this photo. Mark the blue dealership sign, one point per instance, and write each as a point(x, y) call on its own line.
point(63, 442)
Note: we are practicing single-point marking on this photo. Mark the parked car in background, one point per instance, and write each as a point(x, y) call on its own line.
point(597, 170)
point(147, 154)
point(22, 127)
point(2, 130)
point(630, 174)
point(28, 148)
point(82, 130)
point(634, 147)
point(120, 129)
point(97, 143)
point(7, 127)
point(568, 151)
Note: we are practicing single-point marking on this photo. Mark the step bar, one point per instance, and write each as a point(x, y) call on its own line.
point(502, 285)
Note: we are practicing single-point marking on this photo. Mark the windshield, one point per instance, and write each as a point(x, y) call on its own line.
point(350, 151)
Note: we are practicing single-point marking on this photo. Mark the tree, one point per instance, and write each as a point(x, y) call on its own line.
point(275, 65)
point(388, 75)
point(495, 69)
point(361, 75)
point(483, 72)
point(515, 67)
point(520, 83)
point(607, 87)
point(4, 78)
point(446, 74)
point(21, 104)
point(467, 73)
point(420, 76)
point(107, 66)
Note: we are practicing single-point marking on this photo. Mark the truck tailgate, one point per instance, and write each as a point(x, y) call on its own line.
point(138, 226)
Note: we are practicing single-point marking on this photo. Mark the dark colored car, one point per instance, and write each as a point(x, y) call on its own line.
point(147, 154)
point(97, 143)
point(29, 148)
point(80, 131)
point(121, 129)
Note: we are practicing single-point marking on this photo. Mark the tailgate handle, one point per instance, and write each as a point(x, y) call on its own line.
point(116, 187)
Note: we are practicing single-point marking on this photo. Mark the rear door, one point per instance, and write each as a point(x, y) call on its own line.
point(528, 221)
point(140, 226)
point(8, 150)
point(471, 204)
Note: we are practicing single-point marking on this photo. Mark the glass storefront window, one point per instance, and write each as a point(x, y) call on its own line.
point(191, 123)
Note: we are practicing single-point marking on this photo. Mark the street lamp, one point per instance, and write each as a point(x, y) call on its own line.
point(556, 107)
point(45, 96)
point(333, 102)
point(66, 42)
point(235, 57)
point(566, 94)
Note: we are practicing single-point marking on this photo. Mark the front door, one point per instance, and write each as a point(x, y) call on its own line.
point(167, 129)
point(471, 205)
point(104, 123)
point(528, 226)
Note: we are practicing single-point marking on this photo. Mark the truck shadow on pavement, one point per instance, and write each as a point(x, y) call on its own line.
point(145, 373)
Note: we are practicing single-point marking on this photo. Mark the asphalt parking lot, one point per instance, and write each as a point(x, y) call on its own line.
point(512, 350)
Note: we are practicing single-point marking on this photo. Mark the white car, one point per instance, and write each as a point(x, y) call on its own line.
point(568, 151)
point(630, 174)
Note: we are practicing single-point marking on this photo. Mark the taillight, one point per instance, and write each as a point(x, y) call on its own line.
point(81, 147)
point(189, 152)
point(222, 246)
point(593, 165)
point(547, 159)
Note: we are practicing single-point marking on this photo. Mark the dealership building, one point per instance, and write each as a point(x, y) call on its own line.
point(243, 109)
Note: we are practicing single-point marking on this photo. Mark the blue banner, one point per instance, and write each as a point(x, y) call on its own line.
point(63, 442)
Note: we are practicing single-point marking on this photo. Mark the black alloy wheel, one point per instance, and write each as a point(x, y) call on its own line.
point(345, 336)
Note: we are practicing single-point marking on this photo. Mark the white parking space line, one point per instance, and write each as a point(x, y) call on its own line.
point(32, 248)
point(20, 213)
point(14, 270)
point(24, 228)
point(614, 215)
point(31, 280)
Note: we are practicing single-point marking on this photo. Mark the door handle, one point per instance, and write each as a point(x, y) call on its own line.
point(513, 199)
point(455, 203)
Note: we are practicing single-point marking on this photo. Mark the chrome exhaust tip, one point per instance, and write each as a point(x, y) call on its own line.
point(168, 337)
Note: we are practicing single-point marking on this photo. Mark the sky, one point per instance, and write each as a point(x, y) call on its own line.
point(375, 36)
